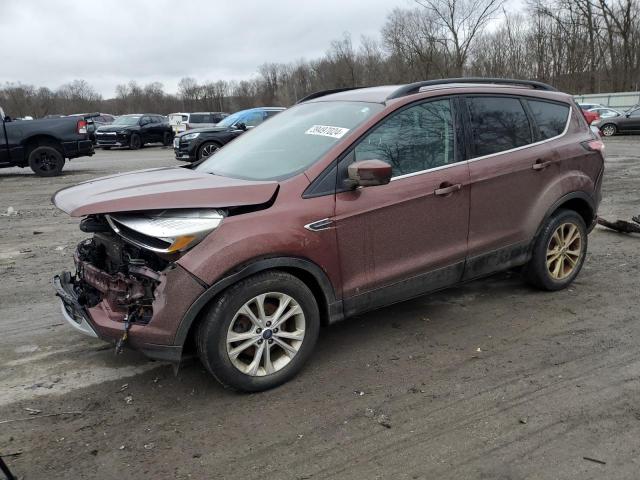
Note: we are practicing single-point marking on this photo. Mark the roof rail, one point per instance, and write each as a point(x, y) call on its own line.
point(415, 87)
point(322, 93)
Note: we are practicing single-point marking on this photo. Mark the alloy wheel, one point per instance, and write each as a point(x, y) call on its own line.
point(46, 162)
point(608, 130)
point(208, 150)
point(564, 251)
point(265, 334)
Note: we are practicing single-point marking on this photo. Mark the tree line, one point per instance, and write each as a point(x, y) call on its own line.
point(579, 46)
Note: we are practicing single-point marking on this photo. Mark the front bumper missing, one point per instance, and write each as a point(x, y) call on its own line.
point(72, 311)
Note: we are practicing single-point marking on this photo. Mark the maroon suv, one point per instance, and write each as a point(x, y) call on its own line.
point(348, 201)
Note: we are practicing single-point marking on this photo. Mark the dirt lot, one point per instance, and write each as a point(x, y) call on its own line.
point(490, 380)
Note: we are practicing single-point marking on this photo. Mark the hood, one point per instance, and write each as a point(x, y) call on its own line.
point(159, 189)
point(116, 128)
point(204, 130)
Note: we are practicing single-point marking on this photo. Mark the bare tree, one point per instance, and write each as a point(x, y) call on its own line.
point(462, 21)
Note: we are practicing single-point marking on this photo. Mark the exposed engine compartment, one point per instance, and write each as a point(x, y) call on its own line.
point(124, 276)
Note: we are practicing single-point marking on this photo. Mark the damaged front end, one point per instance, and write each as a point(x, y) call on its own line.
point(110, 271)
point(119, 288)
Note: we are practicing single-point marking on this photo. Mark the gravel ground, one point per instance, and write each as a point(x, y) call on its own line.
point(489, 380)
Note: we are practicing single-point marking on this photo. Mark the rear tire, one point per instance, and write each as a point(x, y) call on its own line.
point(46, 161)
point(559, 252)
point(266, 353)
point(135, 142)
point(609, 130)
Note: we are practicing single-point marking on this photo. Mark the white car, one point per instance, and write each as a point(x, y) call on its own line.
point(181, 122)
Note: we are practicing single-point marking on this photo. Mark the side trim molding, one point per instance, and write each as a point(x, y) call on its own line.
point(404, 289)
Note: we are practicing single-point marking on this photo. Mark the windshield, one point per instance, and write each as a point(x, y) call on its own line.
point(126, 120)
point(231, 119)
point(289, 143)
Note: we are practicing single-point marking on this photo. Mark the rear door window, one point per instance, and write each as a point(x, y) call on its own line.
point(551, 118)
point(497, 124)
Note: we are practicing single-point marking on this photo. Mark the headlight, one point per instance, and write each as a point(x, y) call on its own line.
point(166, 231)
point(190, 136)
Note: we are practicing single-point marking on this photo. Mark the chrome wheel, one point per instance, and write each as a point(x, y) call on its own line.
point(265, 334)
point(208, 150)
point(608, 130)
point(564, 251)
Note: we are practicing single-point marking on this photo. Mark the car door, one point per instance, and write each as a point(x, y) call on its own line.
point(160, 126)
point(511, 163)
point(146, 129)
point(408, 237)
point(630, 121)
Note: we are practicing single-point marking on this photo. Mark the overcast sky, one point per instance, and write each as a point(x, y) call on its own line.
point(51, 42)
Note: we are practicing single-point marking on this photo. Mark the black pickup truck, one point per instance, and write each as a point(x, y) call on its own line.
point(43, 145)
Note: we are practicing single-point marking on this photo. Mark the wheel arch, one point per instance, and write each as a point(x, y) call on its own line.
point(308, 272)
point(40, 140)
point(580, 202)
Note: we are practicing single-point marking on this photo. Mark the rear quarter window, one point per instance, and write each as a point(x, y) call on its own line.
point(551, 118)
point(198, 118)
point(498, 124)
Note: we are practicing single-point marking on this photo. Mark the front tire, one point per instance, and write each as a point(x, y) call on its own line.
point(207, 149)
point(260, 332)
point(167, 139)
point(46, 161)
point(559, 252)
point(609, 130)
point(135, 142)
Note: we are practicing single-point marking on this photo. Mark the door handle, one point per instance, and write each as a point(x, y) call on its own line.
point(447, 189)
point(540, 164)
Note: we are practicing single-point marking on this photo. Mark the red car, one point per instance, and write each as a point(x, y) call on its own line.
point(590, 117)
point(346, 202)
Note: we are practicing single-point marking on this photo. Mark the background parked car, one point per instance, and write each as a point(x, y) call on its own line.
point(203, 142)
point(95, 120)
point(589, 115)
point(134, 131)
point(181, 122)
point(43, 144)
point(606, 112)
point(628, 122)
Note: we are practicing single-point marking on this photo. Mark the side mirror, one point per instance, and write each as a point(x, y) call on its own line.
point(369, 173)
point(241, 126)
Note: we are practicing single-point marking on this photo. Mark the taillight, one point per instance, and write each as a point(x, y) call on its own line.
point(81, 127)
point(594, 145)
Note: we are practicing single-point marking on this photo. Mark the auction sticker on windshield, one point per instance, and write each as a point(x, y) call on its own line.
point(327, 131)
